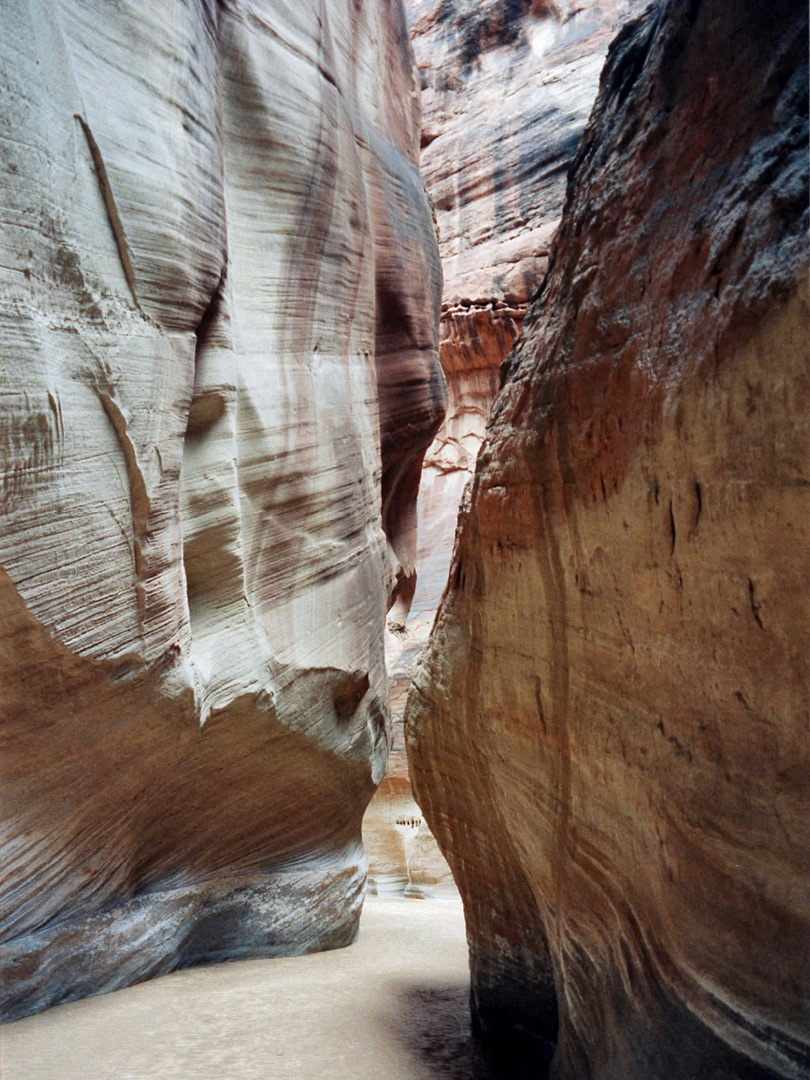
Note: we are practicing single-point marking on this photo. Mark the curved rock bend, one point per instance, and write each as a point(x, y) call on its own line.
point(609, 734)
point(220, 293)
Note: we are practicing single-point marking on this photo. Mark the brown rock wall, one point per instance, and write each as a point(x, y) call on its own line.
point(609, 734)
point(506, 92)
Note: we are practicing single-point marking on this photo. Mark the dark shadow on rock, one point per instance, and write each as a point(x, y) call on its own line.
point(434, 1025)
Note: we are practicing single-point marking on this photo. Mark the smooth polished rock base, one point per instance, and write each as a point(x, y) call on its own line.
point(283, 913)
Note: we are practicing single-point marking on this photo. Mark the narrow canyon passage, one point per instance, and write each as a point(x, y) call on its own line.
point(404, 428)
point(394, 1004)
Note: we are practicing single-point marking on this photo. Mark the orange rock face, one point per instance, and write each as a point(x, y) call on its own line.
point(609, 734)
point(506, 93)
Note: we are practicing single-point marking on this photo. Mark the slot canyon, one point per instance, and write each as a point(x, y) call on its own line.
point(404, 624)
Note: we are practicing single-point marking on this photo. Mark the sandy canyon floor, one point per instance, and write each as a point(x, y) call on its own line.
point(392, 1006)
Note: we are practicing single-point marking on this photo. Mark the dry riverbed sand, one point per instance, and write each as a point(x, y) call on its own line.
point(391, 1007)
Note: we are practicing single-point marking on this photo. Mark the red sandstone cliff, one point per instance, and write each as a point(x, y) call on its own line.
point(507, 88)
point(609, 735)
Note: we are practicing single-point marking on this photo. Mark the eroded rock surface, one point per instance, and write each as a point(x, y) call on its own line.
point(609, 734)
point(220, 293)
point(506, 92)
point(507, 88)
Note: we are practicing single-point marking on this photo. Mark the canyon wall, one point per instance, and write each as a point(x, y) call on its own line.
point(507, 88)
point(609, 733)
point(218, 327)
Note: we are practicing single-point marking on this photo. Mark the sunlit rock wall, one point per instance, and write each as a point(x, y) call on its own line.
point(609, 736)
point(219, 299)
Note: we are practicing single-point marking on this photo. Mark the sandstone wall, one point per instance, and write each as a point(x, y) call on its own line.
point(506, 91)
point(219, 292)
point(507, 88)
point(609, 735)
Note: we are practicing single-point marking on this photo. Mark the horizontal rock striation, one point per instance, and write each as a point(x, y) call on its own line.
point(609, 734)
point(219, 293)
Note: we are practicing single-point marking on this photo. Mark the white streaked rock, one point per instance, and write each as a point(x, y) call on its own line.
point(219, 297)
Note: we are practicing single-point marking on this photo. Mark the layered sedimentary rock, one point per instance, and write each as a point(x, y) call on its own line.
point(609, 733)
point(220, 292)
point(507, 88)
point(506, 92)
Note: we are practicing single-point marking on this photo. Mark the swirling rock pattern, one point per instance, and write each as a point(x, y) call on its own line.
point(218, 311)
point(609, 734)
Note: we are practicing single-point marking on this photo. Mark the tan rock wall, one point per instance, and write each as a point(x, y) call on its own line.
point(506, 92)
point(609, 736)
point(219, 294)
